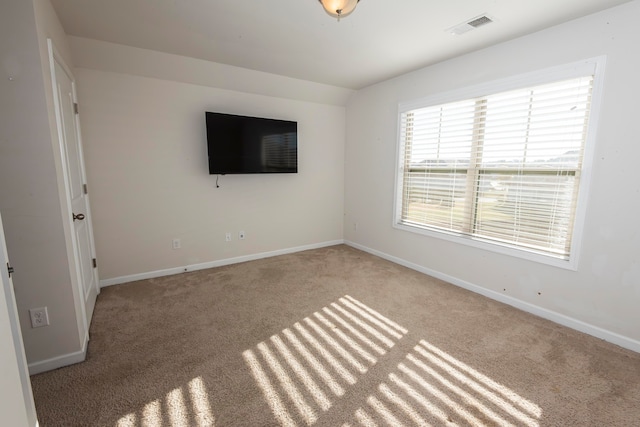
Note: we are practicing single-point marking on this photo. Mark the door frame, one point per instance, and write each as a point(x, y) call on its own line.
point(18, 407)
point(65, 199)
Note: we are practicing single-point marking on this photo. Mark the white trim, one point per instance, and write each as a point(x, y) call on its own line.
point(492, 247)
point(570, 322)
point(88, 214)
point(64, 194)
point(59, 361)
point(587, 162)
point(15, 372)
point(594, 66)
point(532, 78)
point(212, 264)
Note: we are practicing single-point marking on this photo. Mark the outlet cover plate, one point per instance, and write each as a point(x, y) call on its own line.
point(39, 317)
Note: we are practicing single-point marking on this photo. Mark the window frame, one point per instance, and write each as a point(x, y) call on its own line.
point(594, 66)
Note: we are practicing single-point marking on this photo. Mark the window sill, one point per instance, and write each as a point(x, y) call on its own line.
point(570, 264)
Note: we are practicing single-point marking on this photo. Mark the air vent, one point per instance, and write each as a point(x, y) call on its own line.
point(479, 22)
point(471, 24)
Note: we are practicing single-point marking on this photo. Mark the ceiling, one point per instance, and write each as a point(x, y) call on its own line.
point(296, 38)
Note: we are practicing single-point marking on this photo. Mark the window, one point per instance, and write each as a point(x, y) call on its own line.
point(504, 168)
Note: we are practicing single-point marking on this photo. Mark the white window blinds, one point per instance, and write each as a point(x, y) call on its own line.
point(503, 168)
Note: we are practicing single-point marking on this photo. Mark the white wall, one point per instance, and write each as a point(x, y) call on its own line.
point(29, 197)
point(602, 296)
point(146, 154)
point(99, 55)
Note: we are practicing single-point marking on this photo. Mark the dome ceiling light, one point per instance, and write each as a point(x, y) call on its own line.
point(339, 8)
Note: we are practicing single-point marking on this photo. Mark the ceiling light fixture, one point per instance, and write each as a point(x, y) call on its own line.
point(339, 8)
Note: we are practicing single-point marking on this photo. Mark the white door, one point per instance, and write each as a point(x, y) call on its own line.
point(75, 179)
point(16, 400)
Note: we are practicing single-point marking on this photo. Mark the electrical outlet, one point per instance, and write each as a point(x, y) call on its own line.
point(227, 237)
point(355, 226)
point(39, 317)
point(175, 244)
point(241, 235)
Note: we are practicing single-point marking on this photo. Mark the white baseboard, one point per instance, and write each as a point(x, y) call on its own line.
point(561, 319)
point(59, 361)
point(211, 264)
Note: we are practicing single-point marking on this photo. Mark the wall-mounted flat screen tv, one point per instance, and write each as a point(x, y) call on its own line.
point(244, 145)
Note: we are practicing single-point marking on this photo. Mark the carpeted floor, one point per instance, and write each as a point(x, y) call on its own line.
point(331, 337)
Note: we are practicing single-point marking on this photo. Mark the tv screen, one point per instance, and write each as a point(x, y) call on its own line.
point(244, 145)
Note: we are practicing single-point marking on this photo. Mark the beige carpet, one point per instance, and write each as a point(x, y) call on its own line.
point(331, 337)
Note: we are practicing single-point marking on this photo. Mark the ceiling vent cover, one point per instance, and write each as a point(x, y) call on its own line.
point(471, 24)
point(479, 22)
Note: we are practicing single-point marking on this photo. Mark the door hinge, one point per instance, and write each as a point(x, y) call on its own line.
point(75, 108)
point(84, 187)
point(95, 263)
point(9, 270)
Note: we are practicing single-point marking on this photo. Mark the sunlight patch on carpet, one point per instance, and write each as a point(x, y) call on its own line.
point(186, 406)
point(128, 420)
point(307, 369)
point(152, 414)
point(326, 355)
point(355, 332)
point(383, 411)
point(419, 399)
point(176, 408)
point(315, 364)
point(308, 414)
point(316, 392)
point(364, 325)
point(337, 347)
point(402, 404)
point(377, 315)
point(348, 340)
point(200, 402)
point(428, 389)
point(364, 419)
point(270, 394)
point(496, 389)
